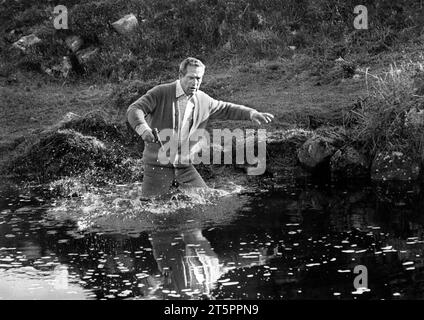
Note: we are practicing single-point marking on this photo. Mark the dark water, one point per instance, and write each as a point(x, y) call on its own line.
point(296, 241)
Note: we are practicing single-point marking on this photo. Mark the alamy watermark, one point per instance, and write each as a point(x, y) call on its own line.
point(61, 19)
point(361, 20)
point(250, 148)
point(360, 283)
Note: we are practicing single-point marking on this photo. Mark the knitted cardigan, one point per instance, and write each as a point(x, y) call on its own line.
point(158, 108)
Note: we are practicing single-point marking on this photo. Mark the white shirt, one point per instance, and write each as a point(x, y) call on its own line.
point(183, 101)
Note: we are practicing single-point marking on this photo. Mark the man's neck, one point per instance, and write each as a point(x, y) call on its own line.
point(187, 95)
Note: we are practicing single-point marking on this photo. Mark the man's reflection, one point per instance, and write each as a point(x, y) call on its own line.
point(190, 266)
point(187, 262)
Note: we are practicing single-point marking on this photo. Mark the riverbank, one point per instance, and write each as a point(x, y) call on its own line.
point(353, 120)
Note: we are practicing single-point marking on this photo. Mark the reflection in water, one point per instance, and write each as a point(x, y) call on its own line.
point(61, 277)
point(189, 265)
point(296, 242)
point(187, 262)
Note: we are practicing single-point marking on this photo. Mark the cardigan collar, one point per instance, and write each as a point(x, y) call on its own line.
point(179, 89)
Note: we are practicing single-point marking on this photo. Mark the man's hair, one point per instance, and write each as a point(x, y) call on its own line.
point(190, 62)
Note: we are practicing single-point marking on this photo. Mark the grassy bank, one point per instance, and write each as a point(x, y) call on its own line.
point(224, 31)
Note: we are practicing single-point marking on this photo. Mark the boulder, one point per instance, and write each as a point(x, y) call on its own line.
point(315, 152)
point(87, 55)
point(25, 42)
point(126, 24)
point(348, 163)
point(74, 42)
point(394, 165)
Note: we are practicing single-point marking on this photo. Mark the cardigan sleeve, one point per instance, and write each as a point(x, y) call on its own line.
point(229, 111)
point(143, 106)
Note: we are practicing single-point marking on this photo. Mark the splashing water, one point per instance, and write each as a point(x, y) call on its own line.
point(120, 207)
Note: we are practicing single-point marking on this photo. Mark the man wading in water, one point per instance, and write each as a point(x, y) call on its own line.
point(179, 106)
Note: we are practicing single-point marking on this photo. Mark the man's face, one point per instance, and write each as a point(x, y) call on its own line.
point(191, 81)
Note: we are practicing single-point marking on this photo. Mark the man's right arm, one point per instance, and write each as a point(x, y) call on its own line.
point(142, 128)
point(137, 112)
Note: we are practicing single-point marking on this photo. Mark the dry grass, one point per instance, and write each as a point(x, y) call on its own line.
point(381, 118)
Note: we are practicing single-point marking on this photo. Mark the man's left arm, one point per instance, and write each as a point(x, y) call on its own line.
point(231, 111)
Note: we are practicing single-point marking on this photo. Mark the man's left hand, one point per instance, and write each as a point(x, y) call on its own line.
point(261, 117)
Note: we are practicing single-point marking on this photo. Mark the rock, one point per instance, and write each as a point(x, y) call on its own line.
point(126, 24)
point(414, 118)
point(25, 42)
point(281, 149)
point(278, 141)
point(394, 166)
point(87, 55)
point(74, 42)
point(348, 163)
point(315, 151)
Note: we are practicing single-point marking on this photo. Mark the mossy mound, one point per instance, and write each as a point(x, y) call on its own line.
point(96, 125)
point(63, 153)
point(89, 148)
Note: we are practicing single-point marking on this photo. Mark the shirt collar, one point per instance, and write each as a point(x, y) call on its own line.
point(179, 92)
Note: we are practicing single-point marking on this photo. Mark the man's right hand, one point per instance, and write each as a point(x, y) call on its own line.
point(148, 136)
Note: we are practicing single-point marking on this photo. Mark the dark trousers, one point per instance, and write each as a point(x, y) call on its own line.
point(157, 180)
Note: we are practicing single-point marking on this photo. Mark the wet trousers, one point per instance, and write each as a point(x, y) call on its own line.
point(158, 180)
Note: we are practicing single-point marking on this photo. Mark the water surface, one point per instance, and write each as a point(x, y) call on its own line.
point(296, 241)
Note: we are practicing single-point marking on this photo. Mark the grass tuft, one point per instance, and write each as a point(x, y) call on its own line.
point(385, 120)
